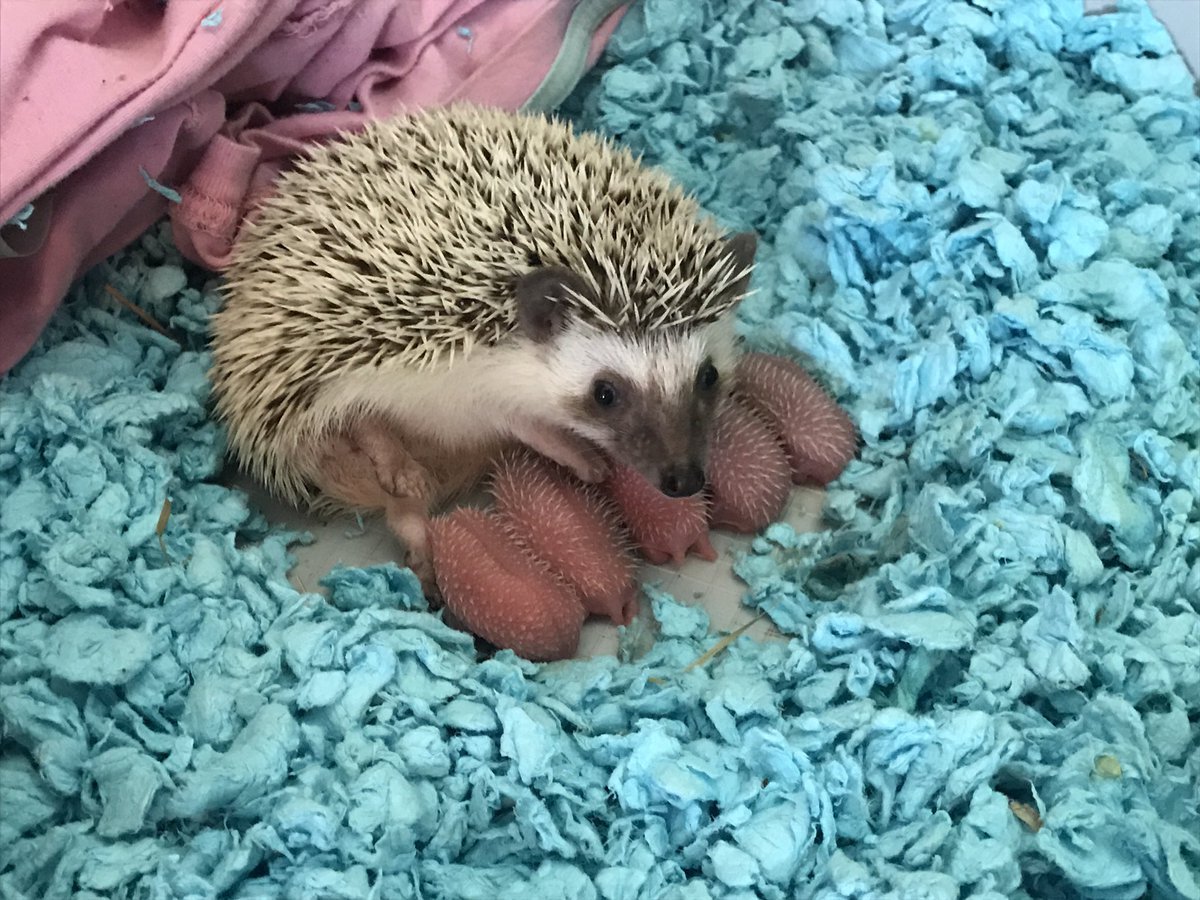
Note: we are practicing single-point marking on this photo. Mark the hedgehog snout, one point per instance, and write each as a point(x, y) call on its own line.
point(670, 454)
point(682, 480)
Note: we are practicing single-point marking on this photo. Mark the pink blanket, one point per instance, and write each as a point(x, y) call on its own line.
point(112, 112)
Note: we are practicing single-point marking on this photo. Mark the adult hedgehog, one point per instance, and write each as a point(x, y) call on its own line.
point(416, 297)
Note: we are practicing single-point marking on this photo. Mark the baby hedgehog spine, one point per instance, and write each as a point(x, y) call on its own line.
point(572, 528)
point(818, 436)
point(499, 591)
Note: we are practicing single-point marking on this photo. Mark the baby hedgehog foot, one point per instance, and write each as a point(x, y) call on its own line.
point(817, 434)
point(571, 527)
point(665, 528)
point(499, 591)
point(749, 478)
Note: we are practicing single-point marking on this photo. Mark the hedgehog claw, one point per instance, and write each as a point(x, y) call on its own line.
point(581, 457)
point(592, 469)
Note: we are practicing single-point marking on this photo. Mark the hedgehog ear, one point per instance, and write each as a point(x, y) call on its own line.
point(542, 295)
point(741, 248)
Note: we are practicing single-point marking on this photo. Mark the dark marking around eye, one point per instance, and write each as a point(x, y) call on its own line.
point(604, 393)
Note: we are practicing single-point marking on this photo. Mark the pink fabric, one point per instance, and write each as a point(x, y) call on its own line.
point(222, 82)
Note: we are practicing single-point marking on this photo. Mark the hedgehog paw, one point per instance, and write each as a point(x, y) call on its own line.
point(398, 474)
point(422, 567)
point(580, 456)
point(409, 520)
point(367, 467)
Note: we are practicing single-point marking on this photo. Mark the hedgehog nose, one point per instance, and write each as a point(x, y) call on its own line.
point(682, 481)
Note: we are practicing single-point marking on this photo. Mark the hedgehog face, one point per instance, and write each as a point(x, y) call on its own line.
point(649, 403)
point(649, 399)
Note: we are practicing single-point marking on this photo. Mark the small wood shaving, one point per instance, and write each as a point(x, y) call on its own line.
point(161, 528)
point(1026, 814)
point(139, 312)
point(722, 644)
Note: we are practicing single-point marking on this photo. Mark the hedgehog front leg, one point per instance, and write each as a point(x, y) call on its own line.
point(367, 467)
point(570, 451)
point(408, 518)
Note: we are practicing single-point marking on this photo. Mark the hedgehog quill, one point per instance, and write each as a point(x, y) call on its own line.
point(415, 298)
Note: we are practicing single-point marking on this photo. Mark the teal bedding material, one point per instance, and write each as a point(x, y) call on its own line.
point(980, 223)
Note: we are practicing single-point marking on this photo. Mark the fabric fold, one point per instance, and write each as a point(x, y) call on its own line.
point(194, 109)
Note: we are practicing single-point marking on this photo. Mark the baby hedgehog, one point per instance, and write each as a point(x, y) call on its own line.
point(418, 297)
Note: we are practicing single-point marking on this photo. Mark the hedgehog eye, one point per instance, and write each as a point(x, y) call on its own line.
point(604, 393)
point(708, 376)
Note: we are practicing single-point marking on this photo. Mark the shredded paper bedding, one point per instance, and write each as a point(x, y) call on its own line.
point(980, 225)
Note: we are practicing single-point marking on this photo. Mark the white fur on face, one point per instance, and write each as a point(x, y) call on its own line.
point(483, 395)
point(665, 365)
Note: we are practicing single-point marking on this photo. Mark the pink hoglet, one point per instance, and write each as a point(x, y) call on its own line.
point(568, 525)
point(817, 434)
point(499, 591)
point(665, 528)
point(749, 478)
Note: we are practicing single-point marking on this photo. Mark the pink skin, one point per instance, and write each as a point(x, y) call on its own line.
point(816, 433)
point(499, 591)
point(497, 573)
point(572, 528)
point(749, 477)
point(665, 528)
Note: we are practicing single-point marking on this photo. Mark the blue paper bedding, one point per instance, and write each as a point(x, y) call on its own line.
point(980, 224)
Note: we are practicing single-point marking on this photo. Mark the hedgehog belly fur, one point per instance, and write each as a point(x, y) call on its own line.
point(378, 277)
